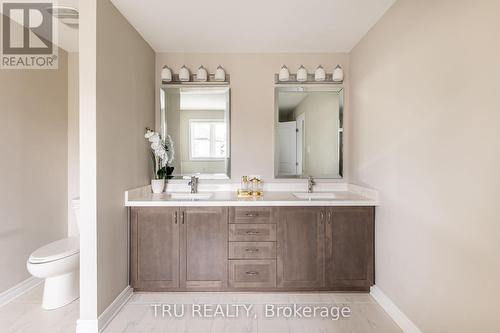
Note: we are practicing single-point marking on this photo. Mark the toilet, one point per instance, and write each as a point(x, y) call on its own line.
point(59, 264)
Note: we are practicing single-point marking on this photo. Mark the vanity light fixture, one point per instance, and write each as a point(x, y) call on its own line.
point(284, 74)
point(320, 74)
point(220, 74)
point(338, 74)
point(166, 74)
point(201, 74)
point(302, 74)
point(184, 74)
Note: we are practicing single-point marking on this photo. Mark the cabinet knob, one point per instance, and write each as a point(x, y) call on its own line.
point(252, 214)
point(252, 273)
point(252, 232)
point(175, 217)
point(252, 250)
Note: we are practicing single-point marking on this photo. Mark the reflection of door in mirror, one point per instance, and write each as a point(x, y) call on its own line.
point(287, 134)
point(308, 132)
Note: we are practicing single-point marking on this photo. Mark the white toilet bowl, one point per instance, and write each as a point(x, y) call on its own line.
point(59, 264)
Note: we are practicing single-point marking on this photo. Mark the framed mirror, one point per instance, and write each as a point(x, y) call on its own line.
point(308, 131)
point(198, 120)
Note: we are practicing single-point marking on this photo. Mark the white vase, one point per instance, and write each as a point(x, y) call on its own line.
point(220, 74)
point(338, 74)
point(302, 74)
point(202, 74)
point(184, 74)
point(157, 185)
point(320, 74)
point(166, 74)
point(284, 74)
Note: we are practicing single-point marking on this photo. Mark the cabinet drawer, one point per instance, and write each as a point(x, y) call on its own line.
point(252, 250)
point(252, 273)
point(252, 232)
point(252, 215)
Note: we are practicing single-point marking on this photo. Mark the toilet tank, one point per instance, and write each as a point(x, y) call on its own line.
point(76, 210)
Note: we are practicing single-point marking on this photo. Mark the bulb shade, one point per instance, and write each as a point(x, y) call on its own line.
point(202, 74)
point(220, 74)
point(284, 74)
point(302, 74)
point(320, 74)
point(166, 74)
point(184, 74)
point(338, 74)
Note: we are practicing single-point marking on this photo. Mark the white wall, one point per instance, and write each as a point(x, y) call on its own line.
point(73, 140)
point(425, 131)
point(117, 104)
point(33, 150)
point(252, 99)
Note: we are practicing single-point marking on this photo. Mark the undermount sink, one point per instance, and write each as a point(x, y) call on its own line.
point(315, 196)
point(191, 196)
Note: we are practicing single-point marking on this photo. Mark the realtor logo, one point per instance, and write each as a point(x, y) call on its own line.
point(28, 36)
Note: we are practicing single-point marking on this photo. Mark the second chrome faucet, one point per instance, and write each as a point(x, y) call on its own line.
point(194, 184)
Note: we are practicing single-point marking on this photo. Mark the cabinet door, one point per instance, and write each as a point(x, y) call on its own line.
point(154, 260)
point(300, 247)
point(349, 248)
point(204, 252)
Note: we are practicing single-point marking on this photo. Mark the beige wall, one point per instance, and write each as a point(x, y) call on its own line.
point(33, 170)
point(124, 108)
point(73, 140)
point(425, 131)
point(252, 99)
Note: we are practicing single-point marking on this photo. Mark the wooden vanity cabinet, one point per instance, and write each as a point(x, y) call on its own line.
point(300, 248)
point(349, 248)
point(154, 245)
point(204, 248)
point(178, 248)
point(252, 248)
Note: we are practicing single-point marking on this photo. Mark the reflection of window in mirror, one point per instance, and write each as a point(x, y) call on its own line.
point(207, 139)
point(197, 119)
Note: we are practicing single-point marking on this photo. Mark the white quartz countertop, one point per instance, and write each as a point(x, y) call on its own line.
point(279, 195)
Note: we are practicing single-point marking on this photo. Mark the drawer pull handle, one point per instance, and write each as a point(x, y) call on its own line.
point(252, 232)
point(253, 273)
point(252, 250)
point(252, 214)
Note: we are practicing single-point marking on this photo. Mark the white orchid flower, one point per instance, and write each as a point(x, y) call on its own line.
point(149, 134)
point(155, 145)
point(154, 138)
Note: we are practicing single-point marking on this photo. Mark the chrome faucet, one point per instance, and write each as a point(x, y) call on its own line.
point(310, 184)
point(194, 184)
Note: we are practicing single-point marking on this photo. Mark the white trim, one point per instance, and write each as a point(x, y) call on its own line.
point(12, 293)
point(87, 326)
point(99, 324)
point(112, 310)
point(393, 311)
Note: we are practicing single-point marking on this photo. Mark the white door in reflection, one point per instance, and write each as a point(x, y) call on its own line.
point(287, 145)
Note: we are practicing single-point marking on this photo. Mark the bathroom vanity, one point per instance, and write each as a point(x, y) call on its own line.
point(279, 243)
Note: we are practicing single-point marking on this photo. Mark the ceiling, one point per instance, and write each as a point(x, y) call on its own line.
point(253, 26)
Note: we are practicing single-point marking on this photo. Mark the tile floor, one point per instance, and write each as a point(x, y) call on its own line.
point(25, 315)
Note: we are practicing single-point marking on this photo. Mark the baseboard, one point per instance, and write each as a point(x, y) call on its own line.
point(393, 311)
point(99, 324)
point(19, 289)
point(113, 309)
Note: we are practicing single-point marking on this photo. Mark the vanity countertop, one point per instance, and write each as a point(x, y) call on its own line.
point(274, 195)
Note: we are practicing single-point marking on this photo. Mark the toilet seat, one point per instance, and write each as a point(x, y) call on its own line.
point(56, 250)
